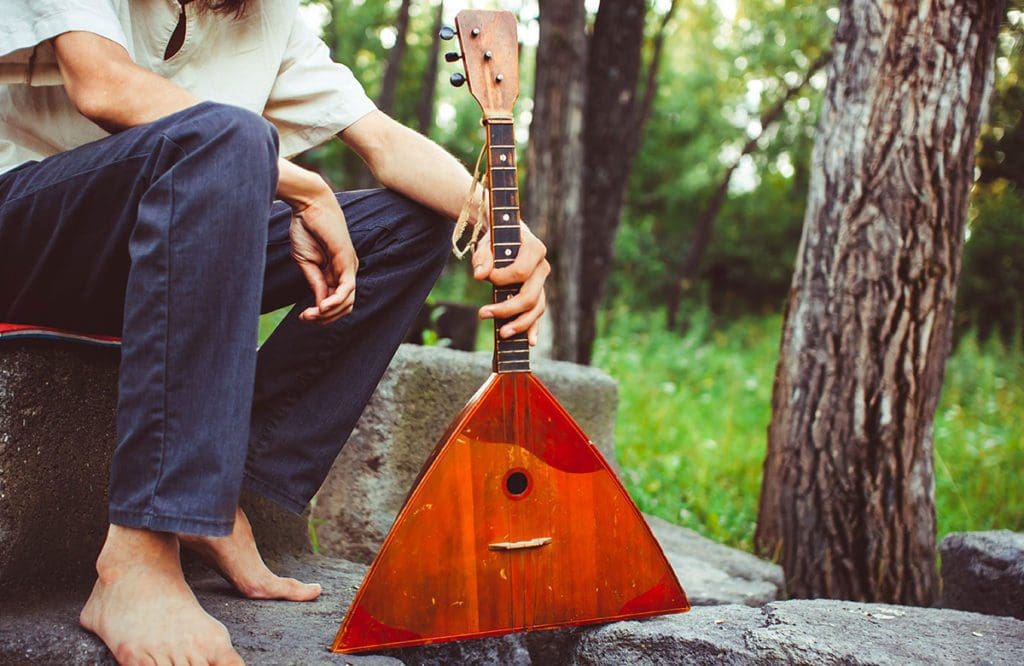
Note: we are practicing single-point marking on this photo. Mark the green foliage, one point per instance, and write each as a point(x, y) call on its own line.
point(694, 407)
point(991, 296)
point(719, 75)
point(694, 411)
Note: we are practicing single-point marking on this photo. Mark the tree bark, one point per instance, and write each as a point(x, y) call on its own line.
point(425, 105)
point(610, 145)
point(847, 503)
point(554, 180)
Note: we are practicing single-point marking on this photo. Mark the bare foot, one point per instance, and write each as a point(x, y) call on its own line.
point(240, 562)
point(144, 611)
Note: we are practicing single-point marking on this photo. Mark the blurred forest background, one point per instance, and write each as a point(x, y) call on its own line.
point(723, 121)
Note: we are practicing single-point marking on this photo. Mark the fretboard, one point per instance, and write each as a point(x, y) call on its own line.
point(510, 354)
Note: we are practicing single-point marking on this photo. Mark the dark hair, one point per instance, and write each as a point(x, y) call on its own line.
point(233, 8)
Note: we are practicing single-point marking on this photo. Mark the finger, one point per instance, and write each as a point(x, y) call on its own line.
point(483, 257)
point(533, 334)
point(315, 277)
point(524, 321)
point(342, 294)
point(344, 312)
point(531, 254)
point(529, 294)
point(333, 313)
point(343, 299)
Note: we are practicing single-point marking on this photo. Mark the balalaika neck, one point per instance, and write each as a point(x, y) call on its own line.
point(510, 354)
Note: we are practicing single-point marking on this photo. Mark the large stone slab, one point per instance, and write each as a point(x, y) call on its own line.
point(807, 632)
point(43, 630)
point(420, 394)
point(57, 434)
point(713, 574)
point(984, 572)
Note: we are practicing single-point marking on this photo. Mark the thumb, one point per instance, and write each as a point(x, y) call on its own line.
point(483, 258)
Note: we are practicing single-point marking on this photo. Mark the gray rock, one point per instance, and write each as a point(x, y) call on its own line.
point(807, 632)
point(713, 574)
point(54, 458)
point(422, 391)
point(57, 434)
point(984, 572)
point(44, 629)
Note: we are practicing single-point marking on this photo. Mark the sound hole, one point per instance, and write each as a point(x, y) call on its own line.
point(516, 483)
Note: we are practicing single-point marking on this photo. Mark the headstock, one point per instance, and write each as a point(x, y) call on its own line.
point(490, 55)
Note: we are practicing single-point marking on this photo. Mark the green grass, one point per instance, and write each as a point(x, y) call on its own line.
point(694, 411)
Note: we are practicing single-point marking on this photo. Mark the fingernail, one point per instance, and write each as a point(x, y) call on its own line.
point(486, 314)
point(507, 331)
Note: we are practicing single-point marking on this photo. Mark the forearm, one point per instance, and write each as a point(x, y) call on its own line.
point(411, 164)
point(111, 90)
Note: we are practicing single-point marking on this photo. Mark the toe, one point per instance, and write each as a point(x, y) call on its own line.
point(289, 589)
point(299, 591)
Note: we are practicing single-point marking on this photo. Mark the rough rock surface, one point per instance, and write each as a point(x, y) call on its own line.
point(984, 572)
point(714, 574)
point(54, 457)
point(57, 433)
point(43, 630)
point(422, 391)
point(807, 632)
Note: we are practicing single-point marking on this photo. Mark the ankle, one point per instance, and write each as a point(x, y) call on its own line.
point(129, 548)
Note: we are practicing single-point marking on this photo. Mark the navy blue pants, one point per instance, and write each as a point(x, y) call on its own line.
point(168, 235)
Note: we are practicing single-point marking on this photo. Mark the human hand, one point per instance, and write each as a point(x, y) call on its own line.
point(323, 250)
point(529, 268)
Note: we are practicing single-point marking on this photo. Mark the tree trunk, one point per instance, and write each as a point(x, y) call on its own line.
point(847, 503)
point(393, 69)
point(425, 105)
point(610, 144)
point(555, 178)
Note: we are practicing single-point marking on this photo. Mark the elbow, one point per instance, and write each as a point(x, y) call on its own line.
point(91, 102)
point(100, 98)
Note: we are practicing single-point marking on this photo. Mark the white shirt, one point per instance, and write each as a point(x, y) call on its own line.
point(269, 62)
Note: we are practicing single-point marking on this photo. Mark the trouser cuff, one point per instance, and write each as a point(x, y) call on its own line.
point(176, 524)
point(261, 487)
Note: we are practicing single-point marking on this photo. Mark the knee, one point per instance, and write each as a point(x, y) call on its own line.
point(240, 144)
point(423, 230)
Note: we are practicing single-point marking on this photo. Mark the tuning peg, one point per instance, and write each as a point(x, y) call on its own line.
point(447, 32)
point(457, 79)
point(452, 56)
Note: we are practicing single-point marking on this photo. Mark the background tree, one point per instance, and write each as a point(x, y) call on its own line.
point(847, 503)
point(554, 180)
point(695, 404)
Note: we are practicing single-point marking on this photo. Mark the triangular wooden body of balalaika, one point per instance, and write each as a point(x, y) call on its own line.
point(515, 523)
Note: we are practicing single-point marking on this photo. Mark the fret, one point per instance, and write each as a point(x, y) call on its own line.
point(510, 354)
point(503, 180)
point(505, 199)
point(507, 236)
